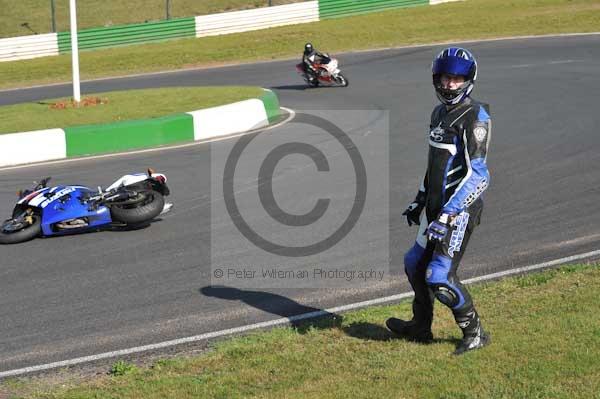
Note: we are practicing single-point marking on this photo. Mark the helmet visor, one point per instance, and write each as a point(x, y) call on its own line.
point(453, 66)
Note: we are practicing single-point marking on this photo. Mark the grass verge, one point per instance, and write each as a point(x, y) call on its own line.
point(120, 105)
point(470, 19)
point(545, 344)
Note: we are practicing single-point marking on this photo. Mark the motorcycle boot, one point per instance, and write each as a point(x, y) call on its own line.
point(419, 328)
point(410, 330)
point(474, 337)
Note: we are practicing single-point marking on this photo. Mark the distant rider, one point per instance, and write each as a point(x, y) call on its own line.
point(311, 57)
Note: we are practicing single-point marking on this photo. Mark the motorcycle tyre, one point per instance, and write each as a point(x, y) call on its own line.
point(28, 233)
point(342, 80)
point(135, 213)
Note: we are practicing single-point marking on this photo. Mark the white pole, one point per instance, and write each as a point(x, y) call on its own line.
point(75, 52)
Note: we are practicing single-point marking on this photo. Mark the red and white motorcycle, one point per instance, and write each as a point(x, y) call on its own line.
point(328, 74)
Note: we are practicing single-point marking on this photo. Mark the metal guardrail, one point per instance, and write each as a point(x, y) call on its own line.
point(129, 34)
point(26, 47)
point(261, 18)
point(344, 8)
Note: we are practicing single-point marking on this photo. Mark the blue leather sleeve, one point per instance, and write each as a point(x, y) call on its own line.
point(470, 189)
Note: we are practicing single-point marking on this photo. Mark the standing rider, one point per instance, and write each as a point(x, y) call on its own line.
point(456, 176)
point(311, 57)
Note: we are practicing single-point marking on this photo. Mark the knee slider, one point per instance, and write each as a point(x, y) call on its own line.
point(446, 295)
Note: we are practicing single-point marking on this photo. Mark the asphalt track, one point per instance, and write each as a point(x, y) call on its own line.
point(80, 295)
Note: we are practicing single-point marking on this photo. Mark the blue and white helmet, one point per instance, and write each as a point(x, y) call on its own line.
point(454, 61)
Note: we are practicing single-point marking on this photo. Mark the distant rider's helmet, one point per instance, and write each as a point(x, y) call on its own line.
point(454, 61)
point(308, 48)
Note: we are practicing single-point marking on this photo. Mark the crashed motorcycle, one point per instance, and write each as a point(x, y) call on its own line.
point(44, 211)
point(324, 73)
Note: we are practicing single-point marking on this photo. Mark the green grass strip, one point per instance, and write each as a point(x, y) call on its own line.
point(470, 19)
point(545, 331)
point(121, 106)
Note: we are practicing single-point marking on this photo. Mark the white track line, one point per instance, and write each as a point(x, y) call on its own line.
point(291, 115)
point(282, 321)
point(538, 266)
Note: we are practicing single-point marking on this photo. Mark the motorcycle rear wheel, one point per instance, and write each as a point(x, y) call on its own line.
point(146, 206)
point(26, 233)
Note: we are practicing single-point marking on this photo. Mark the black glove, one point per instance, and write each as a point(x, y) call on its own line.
point(413, 212)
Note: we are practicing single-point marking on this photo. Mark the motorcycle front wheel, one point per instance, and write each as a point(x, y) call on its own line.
point(13, 231)
point(145, 206)
point(342, 80)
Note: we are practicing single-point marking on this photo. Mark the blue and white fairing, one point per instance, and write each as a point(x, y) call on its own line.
point(63, 203)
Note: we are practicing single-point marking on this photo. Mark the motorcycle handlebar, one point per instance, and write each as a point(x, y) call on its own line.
point(42, 184)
